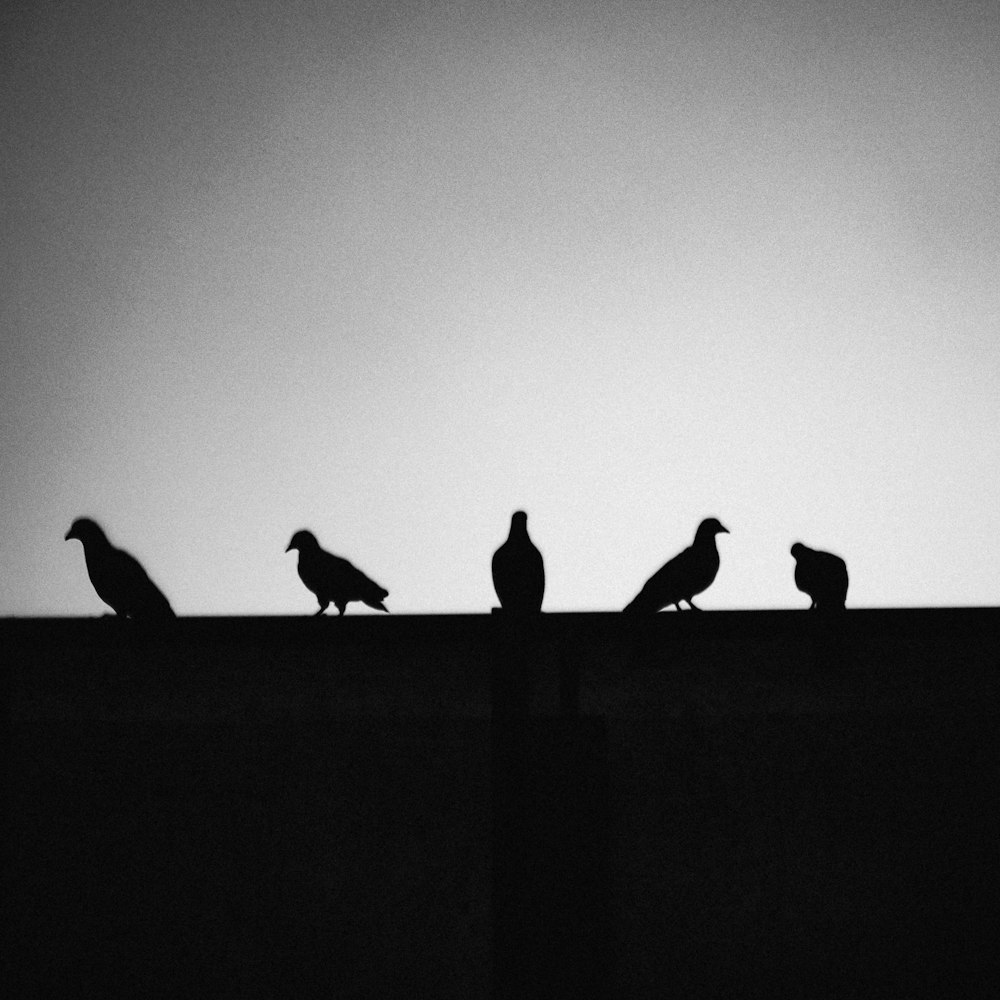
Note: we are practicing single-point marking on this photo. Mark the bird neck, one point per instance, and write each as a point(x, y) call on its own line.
point(96, 543)
point(706, 542)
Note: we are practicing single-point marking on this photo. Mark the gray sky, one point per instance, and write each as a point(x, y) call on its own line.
point(391, 272)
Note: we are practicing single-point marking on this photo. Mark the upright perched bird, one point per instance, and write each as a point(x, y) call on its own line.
point(118, 578)
point(821, 575)
point(688, 573)
point(334, 580)
point(518, 570)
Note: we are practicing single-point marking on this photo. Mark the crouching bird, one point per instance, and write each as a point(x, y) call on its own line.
point(334, 580)
point(821, 575)
point(688, 573)
point(518, 570)
point(117, 576)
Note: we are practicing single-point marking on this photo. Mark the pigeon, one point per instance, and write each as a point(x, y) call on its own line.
point(332, 579)
point(821, 575)
point(518, 570)
point(117, 576)
point(688, 573)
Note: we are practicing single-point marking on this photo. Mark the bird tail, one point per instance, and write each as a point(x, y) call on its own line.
point(159, 607)
point(641, 604)
point(375, 596)
point(636, 606)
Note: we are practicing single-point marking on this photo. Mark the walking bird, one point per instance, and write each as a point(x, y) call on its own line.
point(518, 570)
point(821, 575)
point(117, 576)
point(332, 579)
point(688, 573)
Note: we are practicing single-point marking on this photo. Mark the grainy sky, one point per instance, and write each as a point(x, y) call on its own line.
point(392, 271)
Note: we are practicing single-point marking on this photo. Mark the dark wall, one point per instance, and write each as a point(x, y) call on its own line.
point(771, 803)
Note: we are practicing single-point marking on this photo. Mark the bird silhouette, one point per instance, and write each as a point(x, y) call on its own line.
point(688, 573)
point(117, 576)
point(332, 579)
point(821, 575)
point(518, 570)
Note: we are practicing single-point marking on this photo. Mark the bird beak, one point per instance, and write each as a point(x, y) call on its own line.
point(288, 548)
point(68, 535)
point(725, 530)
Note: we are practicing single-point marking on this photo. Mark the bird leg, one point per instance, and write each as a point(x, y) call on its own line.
point(322, 607)
point(691, 604)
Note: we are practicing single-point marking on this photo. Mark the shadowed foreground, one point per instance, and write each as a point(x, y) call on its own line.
point(755, 804)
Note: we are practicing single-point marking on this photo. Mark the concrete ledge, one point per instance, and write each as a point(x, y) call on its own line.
point(444, 665)
point(709, 805)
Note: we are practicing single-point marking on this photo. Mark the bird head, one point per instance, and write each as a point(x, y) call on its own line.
point(709, 528)
point(798, 550)
point(86, 530)
point(302, 540)
point(519, 521)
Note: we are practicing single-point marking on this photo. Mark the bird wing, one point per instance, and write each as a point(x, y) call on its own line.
point(323, 573)
point(842, 575)
point(534, 582)
point(667, 585)
point(341, 581)
point(804, 578)
point(823, 576)
point(519, 577)
point(368, 590)
point(121, 581)
point(831, 577)
point(501, 574)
